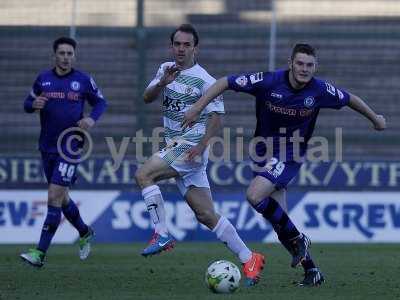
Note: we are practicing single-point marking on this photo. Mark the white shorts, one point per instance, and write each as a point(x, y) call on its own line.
point(191, 173)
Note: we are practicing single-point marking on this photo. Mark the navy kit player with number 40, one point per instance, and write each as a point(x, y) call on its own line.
point(59, 96)
point(287, 106)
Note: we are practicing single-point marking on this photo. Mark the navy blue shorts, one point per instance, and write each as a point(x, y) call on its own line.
point(278, 172)
point(57, 170)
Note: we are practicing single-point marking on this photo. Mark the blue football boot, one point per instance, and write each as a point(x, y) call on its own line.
point(158, 244)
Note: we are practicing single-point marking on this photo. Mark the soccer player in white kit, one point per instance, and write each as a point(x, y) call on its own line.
point(185, 158)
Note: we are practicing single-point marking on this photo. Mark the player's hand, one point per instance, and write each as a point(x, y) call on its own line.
point(195, 151)
point(86, 123)
point(39, 102)
point(380, 123)
point(170, 74)
point(190, 117)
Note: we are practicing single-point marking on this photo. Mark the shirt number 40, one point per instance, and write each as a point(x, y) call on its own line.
point(66, 170)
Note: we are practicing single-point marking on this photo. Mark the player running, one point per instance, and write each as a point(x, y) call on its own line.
point(186, 156)
point(287, 103)
point(59, 96)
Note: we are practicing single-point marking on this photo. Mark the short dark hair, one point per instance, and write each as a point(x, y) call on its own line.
point(303, 48)
point(188, 28)
point(63, 40)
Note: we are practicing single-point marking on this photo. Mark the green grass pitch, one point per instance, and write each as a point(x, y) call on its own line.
point(117, 271)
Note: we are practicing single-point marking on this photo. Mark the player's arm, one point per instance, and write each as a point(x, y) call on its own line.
point(98, 104)
point(214, 91)
point(28, 103)
point(247, 83)
point(154, 89)
point(151, 93)
point(357, 104)
point(34, 103)
point(35, 100)
point(213, 127)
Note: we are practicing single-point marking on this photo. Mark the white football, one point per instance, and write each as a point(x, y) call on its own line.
point(223, 277)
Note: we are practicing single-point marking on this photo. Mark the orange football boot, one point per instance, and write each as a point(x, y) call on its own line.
point(252, 269)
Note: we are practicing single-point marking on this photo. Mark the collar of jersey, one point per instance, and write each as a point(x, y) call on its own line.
point(65, 75)
point(195, 64)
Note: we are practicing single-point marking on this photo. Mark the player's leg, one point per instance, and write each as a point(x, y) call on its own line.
point(146, 176)
point(195, 189)
point(312, 274)
point(65, 174)
point(280, 197)
point(200, 201)
point(56, 194)
point(259, 196)
point(72, 214)
point(86, 233)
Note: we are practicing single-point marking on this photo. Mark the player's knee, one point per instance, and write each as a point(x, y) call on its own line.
point(251, 197)
point(142, 177)
point(56, 197)
point(65, 200)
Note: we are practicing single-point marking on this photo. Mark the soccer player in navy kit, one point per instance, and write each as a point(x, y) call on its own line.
point(287, 106)
point(59, 96)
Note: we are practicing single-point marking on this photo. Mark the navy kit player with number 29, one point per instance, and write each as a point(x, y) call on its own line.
point(287, 106)
point(59, 96)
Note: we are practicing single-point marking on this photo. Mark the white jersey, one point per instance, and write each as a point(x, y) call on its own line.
point(180, 95)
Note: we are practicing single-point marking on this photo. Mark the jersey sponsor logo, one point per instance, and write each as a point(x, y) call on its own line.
point(309, 101)
point(330, 89)
point(276, 95)
point(173, 104)
point(305, 112)
point(281, 109)
point(75, 85)
point(46, 83)
point(55, 95)
point(256, 77)
point(241, 81)
point(288, 111)
point(73, 96)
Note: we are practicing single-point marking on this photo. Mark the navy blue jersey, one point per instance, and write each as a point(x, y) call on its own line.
point(66, 95)
point(282, 110)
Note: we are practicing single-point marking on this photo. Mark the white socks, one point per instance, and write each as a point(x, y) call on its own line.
point(155, 205)
point(224, 230)
point(227, 234)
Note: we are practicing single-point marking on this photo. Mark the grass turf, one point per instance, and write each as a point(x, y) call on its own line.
point(117, 271)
